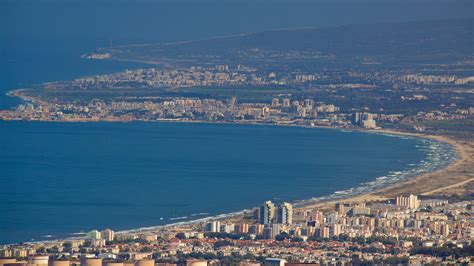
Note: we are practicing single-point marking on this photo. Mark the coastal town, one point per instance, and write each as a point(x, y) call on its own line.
point(405, 229)
point(157, 95)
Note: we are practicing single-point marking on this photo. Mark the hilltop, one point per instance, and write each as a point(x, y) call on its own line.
point(394, 43)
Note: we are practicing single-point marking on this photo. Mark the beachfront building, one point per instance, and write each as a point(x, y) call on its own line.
point(213, 227)
point(411, 201)
point(256, 229)
point(227, 228)
point(94, 234)
point(267, 212)
point(108, 235)
point(285, 213)
point(241, 228)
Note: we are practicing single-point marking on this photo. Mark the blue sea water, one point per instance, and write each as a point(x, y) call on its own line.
point(61, 178)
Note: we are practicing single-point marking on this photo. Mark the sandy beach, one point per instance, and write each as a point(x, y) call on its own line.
point(455, 179)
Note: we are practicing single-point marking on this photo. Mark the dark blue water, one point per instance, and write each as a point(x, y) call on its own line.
point(58, 178)
point(62, 178)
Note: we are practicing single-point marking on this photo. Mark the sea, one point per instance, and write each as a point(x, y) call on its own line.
point(63, 179)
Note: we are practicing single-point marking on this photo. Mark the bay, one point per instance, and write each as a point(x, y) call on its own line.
point(61, 178)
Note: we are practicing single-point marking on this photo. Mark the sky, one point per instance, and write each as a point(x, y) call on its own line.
point(139, 21)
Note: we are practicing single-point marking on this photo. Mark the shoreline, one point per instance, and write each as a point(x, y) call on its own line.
point(424, 184)
point(317, 202)
point(462, 153)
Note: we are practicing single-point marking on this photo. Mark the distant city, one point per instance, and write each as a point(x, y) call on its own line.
point(284, 109)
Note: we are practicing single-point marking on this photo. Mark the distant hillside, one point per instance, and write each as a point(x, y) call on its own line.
point(410, 42)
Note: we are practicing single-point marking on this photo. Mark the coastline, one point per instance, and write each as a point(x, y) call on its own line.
point(463, 157)
point(458, 173)
point(376, 195)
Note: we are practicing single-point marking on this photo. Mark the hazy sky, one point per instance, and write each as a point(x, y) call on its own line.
point(128, 21)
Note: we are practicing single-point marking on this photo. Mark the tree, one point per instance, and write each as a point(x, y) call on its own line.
point(67, 247)
point(41, 250)
point(146, 249)
point(180, 236)
point(297, 239)
point(282, 236)
point(222, 243)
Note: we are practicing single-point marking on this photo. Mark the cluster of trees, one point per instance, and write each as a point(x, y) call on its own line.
point(359, 240)
point(233, 259)
point(234, 236)
point(223, 243)
point(445, 251)
point(282, 236)
point(388, 261)
point(180, 236)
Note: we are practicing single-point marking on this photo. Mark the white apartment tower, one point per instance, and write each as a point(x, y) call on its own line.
point(411, 202)
point(267, 212)
point(285, 213)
